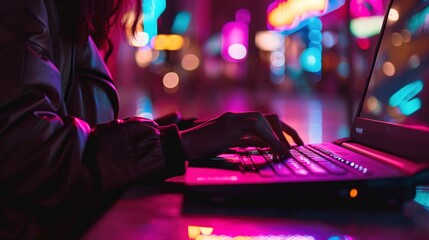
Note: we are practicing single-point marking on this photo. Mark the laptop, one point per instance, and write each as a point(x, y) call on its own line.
point(380, 163)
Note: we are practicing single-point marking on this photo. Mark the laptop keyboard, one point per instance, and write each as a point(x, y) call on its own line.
point(305, 160)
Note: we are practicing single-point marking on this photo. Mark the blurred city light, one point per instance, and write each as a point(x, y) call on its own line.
point(311, 58)
point(171, 42)
point(374, 105)
point(397, 39)
point(343, 69)
point(144, 107)
point(269, 40)
point(389, 69)
point(143, 57)
point(286, 15)
point(237, 51)
point(152, 10)
point(234, 41)
point(181, 22)
point(414, 61)
point(365, 27)
point(277, 59)
point(363, 43)
point(213, 45)
point(329, 39)
point(190, 62)
point(393, 15)
point(289, 16)
point(171, 80)
point(366, 8)
point(242, 15)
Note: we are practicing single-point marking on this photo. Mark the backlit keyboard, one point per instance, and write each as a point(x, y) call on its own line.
point(305, 160)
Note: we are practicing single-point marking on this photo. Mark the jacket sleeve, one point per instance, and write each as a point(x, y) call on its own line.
point(48, 158)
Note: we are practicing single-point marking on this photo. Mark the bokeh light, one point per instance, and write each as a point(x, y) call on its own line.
point(393, 15)
point(237, 51)
point(389, 69)
point(171, 42)
point(171, 80)
point(143, 57)
point(190, 62)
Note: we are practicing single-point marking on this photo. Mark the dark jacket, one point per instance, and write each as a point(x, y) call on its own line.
point(62, 150)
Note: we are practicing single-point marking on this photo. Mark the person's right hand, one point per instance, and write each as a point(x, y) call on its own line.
point(215, 136)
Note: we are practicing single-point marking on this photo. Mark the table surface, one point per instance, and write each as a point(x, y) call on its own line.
point(145, 212)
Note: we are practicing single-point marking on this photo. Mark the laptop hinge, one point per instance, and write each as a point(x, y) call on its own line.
point(402, 164)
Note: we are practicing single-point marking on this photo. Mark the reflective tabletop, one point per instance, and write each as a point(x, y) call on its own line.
point(147, 212)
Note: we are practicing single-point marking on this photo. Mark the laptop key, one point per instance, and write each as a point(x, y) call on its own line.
point(333, 168)
point(266, 171)
point(258, 160)
point(296, 167)
point(247, 164)
point(281, 169)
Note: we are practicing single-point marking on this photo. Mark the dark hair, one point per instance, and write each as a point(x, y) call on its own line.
point(83, 18)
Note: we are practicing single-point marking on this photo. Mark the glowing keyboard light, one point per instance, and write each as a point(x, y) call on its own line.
point(234, 41)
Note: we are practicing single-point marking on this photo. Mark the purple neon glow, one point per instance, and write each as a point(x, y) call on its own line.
point(367, 8)
point(234, 41)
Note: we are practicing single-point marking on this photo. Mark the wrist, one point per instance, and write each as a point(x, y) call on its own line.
point(173, 150)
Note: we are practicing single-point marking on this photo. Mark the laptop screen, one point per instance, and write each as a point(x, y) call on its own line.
point(394, 114)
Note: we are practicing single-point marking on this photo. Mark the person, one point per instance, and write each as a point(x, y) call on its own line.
point(63, 152)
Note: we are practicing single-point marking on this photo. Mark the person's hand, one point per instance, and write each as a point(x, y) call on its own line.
point(176, 118)
point(215, 136)
point(168, 119)
point(280, 129)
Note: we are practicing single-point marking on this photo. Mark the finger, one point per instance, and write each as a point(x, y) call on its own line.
point(168, 119)
point(257, 127)
point(276, 125)
point(250, 141)
point(265, 131)
point(258, 116)
point(293, 133)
